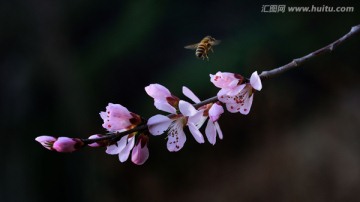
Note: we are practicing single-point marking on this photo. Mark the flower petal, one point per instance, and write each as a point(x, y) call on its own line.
point(158, 124)
point(210, 132)
point(157, 91)
point(103, 115)
point(227, 99)
point(233, 107)
point(223, 92)
point(245, 109)
point(65, 144)
point(236, 90)
point(46, 141)
point(196, 133)
point(233, 83)
point(164, 106)
point(218, 129)
point(188, 93)
point(139, 155)
point(124, 154)
point(186, 108)
point(118, 147)
point(198, 119)
point(224, 80)
point(215, 111)
point(255, 81)
point(176, 137)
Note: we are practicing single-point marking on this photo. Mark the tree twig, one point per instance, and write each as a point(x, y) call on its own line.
point(299, 61)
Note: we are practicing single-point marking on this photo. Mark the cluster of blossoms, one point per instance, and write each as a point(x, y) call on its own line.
point(182, 114)
point(235, 93)
point(126, 131)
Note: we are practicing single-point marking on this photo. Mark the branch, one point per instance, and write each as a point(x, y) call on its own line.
point(115, 135)
point(265, 74)
point(299, 61)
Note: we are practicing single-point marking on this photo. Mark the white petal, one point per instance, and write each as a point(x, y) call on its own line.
point(118, 147)
point(236, 90)
point(223, 91)
point(196, 133)
point(186, 108)
point(245, 109)
point(210, 132)
point(218, 129)
point(158, 124)
point(233, 107)
point(176, 137)
point(103, 115)
point(112, 149)
point(198, 118)
point(164, 106)
point(255, 81)
point(227, 99)
point(139, 155)
point(233, 83)
point(215, 111)
point(124, 154)
point(157, 91)
point(188, 93)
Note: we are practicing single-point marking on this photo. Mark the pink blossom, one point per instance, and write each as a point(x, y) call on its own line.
point(122, 148)
point(241, 101)
point(116, 117)
point(189, 116)
point(66, 144)
point(224, 79)
point(46, 141)
point(229, 83)
point(140, 152)
point(212, 127)
point(163, 100)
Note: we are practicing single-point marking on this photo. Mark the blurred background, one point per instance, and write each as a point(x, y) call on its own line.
point(62, 62)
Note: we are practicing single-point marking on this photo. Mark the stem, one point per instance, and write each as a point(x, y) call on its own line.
point(114, 135)
point(299, 61)
point(264, 75)
point(207, 101)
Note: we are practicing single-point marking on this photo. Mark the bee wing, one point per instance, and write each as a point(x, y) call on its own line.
point(192, 46)
point(216, 42)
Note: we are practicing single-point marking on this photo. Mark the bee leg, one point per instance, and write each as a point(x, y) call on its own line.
point(207, 57)
point(212, 50)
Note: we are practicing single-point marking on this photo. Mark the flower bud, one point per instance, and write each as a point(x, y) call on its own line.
point(116, 117)
point(66, 144)
point(46, 141)
point(140, 152)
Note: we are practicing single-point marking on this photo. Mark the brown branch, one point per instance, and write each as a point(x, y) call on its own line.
point(115, 135)
point(265, 74)
point(299, 61)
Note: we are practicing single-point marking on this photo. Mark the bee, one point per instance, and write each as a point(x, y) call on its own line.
point(203, 48)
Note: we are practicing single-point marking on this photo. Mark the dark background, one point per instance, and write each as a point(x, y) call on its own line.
point(62, 62)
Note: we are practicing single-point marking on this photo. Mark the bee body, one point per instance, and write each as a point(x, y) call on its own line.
point(203, 48)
